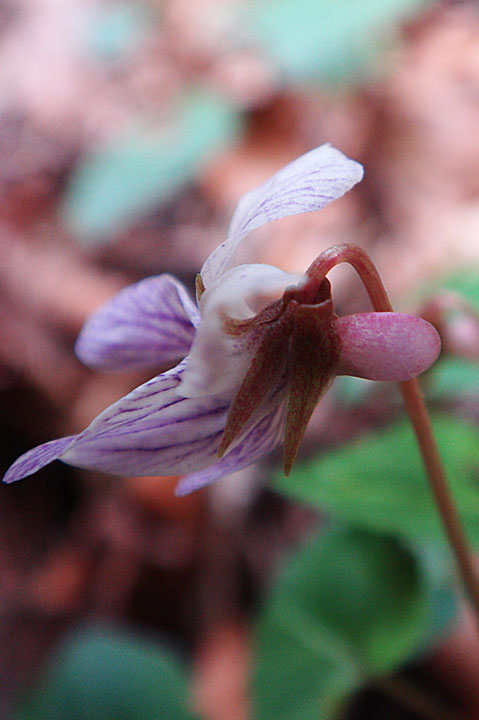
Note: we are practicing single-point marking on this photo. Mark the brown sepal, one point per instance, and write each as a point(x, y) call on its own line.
point(266, 367)
point(313, 359)
point(199, 287)
point(266, 316)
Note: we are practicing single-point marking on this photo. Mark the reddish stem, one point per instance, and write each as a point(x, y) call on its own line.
point(416, 409)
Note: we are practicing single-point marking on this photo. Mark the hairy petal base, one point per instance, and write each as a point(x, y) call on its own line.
point(219, 361)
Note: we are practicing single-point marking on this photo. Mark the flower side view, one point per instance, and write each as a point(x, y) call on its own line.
point(255, 354)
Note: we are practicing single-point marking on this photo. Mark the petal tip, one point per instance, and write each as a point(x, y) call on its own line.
point(189, 484)
point(36, 459)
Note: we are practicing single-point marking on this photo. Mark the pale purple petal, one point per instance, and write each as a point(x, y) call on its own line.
point(386, 346)
point(155, 431)
point(259, 441)
point(37, 458)
point(152, 431)
point(308, 183)
point(151, 323)
point(217, 361)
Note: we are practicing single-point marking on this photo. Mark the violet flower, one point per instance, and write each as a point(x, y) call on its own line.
point(260, 349)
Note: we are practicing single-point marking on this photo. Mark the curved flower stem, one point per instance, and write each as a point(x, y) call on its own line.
point(416, 409)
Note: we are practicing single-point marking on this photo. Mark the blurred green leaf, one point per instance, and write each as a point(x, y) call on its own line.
point(324, 39)
point(466, 284)
point(378, 481)
point(352, 391)
point(453, 377)
point(116, 30)
point(135, 172)
point(349, 606)
point(106, 674)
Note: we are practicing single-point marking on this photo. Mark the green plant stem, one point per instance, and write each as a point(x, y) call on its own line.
point(416, 409)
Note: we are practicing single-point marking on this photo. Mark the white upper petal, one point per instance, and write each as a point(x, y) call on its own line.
point(218, 363)
point(308, 183)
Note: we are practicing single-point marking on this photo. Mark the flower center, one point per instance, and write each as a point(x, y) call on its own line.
point(298, 353)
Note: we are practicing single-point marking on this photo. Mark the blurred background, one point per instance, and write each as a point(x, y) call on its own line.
point(128, 132)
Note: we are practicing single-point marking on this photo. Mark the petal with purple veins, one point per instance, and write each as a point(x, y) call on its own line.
point(308, 183)
point(38, 457)
point(152, 431)
point(386, 346)
point(259, 441)
point(151, 323)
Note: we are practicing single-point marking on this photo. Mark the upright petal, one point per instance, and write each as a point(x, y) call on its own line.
point(218, 362)
point(386, 346)
point(308, 183)
point(151, 323)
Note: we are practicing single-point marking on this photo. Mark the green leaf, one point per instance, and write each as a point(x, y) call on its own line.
point(325, 40)
point(378, 481)
point(463, 282)
point(466, 284)
point(453, 377)
point(115, 31)
point(349, 606)
point(106, 674)
point(352, 391)
point(119, 182)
